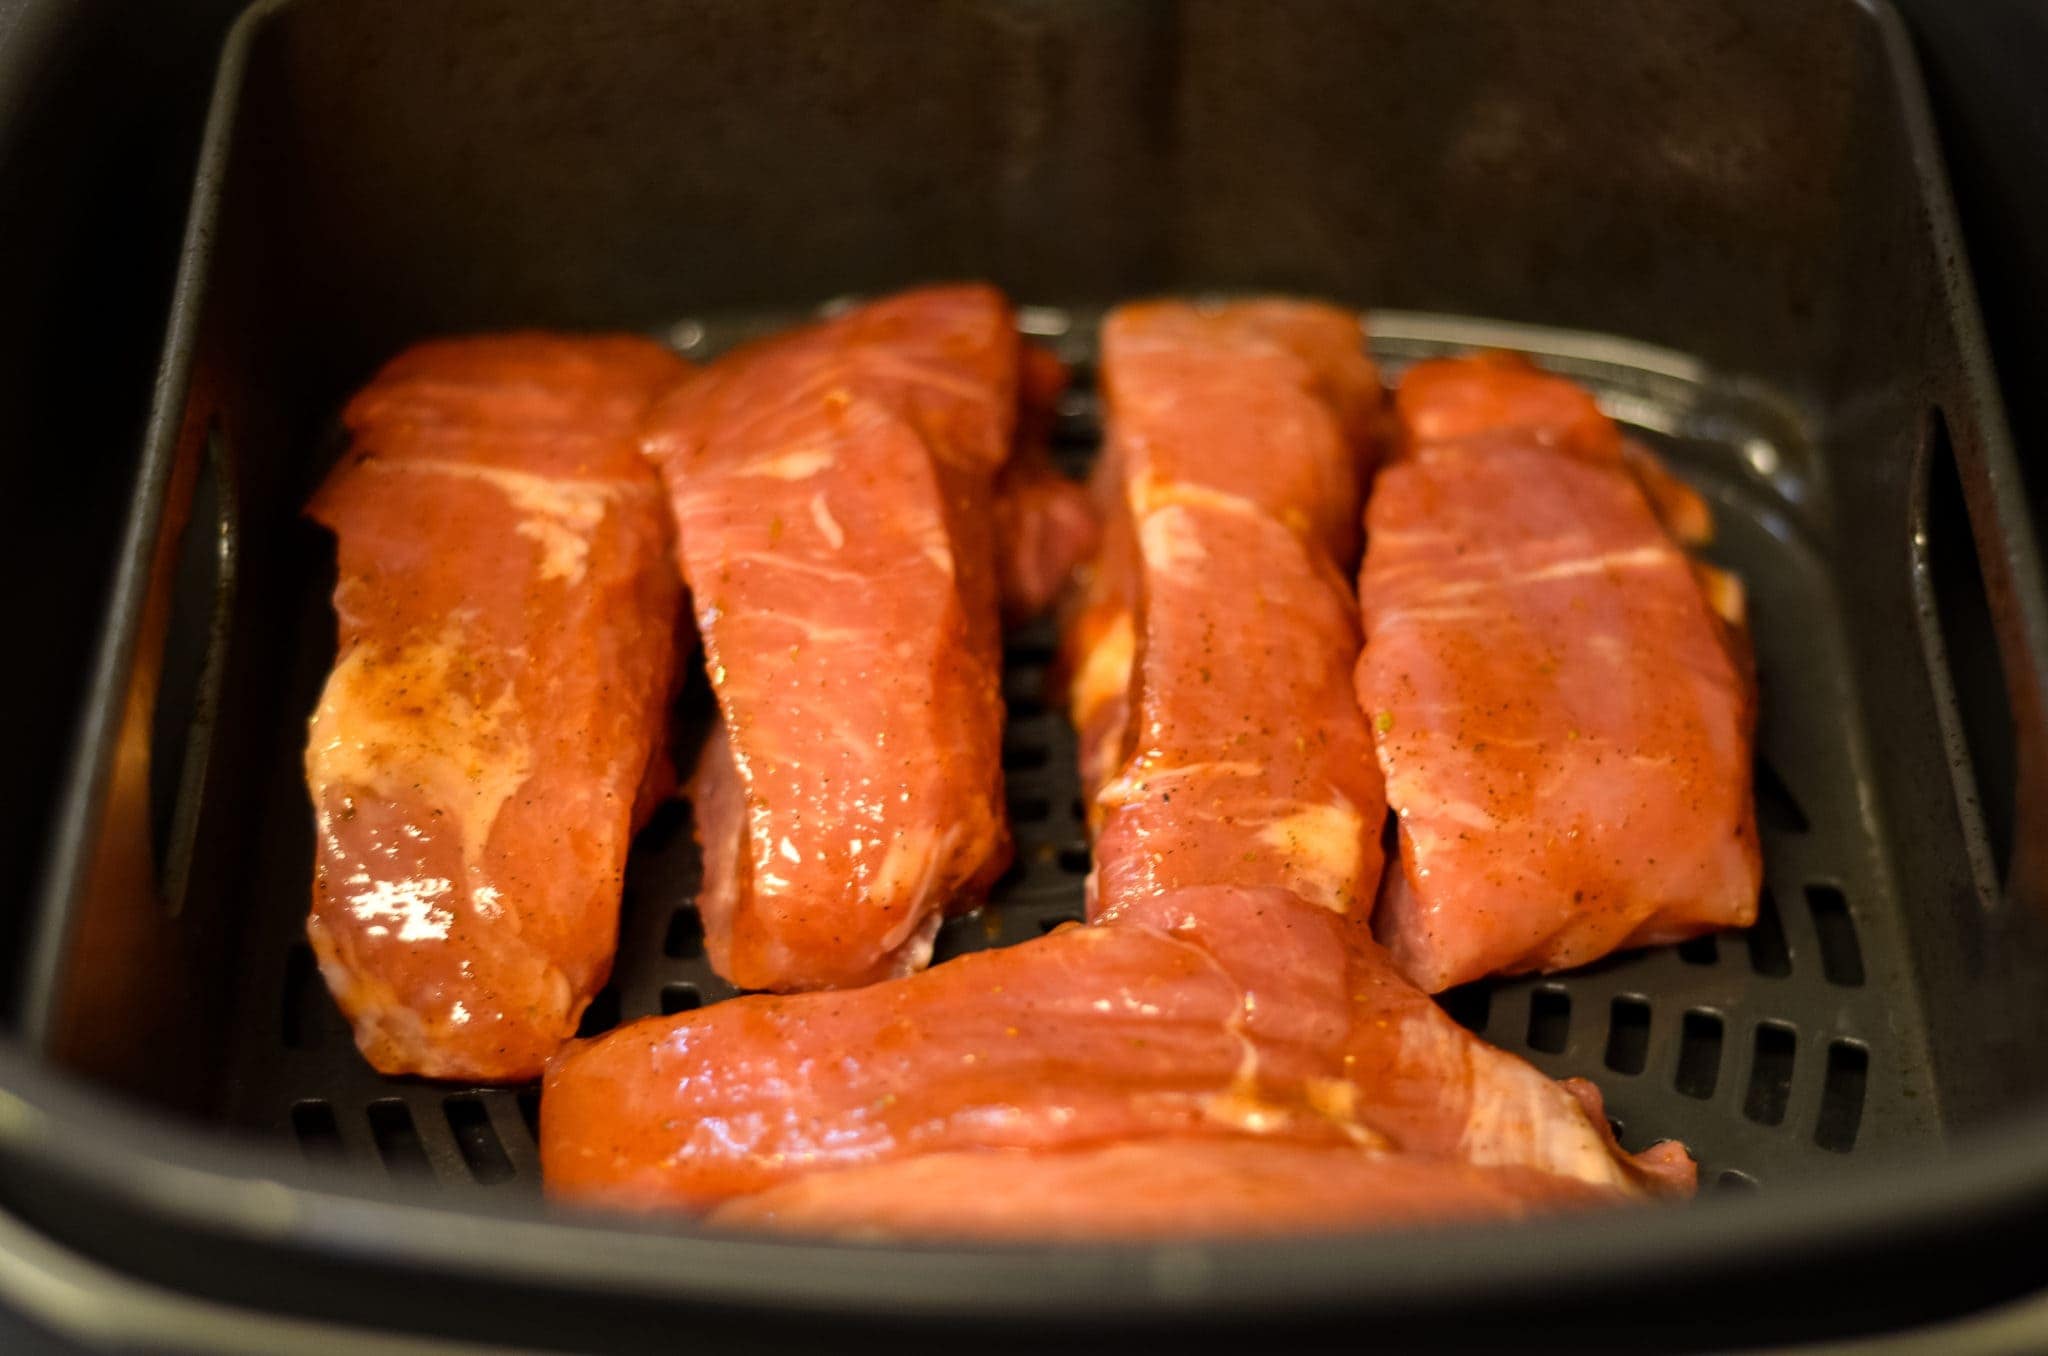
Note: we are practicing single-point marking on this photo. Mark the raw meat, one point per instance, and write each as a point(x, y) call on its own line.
point(1224, 1038)
point(1563, 717)
point(495, 722)
point(1205, 1012)
point(1238, 1187)
point(1266, 405)
point(1044, 524)
point(832, 489)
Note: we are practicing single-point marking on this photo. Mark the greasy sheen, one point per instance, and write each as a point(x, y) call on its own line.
point(1045, 525)
point(1262, 408)
point(832, 490)
point(1237, 1187)
point(1207, 1012)
point(1562, 716)
point(1223, 1046)
point(496, 713)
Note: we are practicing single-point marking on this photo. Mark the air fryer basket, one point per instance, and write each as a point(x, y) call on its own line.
point(1746, 190)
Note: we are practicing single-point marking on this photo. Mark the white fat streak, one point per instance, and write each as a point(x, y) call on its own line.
point(1150, 493)
point(467, 760)
point(1384, 619)
point(828, 526)
point(1520, 1117)
point(562, 514)
point(1168, 539)
point(784, 560)
point(1105, 671)
point(1325, 844)
point(1124, 789)
point(796, 464)
point(1637, 558)
point(876, 360)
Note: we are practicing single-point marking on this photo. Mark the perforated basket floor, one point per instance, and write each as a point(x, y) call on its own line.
point(1770, 1053)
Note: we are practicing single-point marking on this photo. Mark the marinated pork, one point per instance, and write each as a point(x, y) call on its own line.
point(494, 725)
point(1559, 695)
point(832, 489)
point(1224, 1043)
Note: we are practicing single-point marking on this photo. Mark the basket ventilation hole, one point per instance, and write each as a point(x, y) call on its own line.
point(1025, 757)
point(398, 1139)
point(1029, 654)
point(602, 1014)
point(677, 998)
point(1841, 957)
point(299, 1026)
point(1030, 809)
point(1733, 1183)
point(529, 1112)
point(481, 1151)
point(1074, 861)
point(1699, 1055)
point(1700, 950)
point(1550, 1020)
point(1767, 952)
point(1770, 1074)
point(1841, 1097)
point(1628, 1035)
point(684, 939)
point(962, 934)
point(1776, 809)
point(662, 826)
point(1469, 1007)
point(1025, 706)
point(313, 1122)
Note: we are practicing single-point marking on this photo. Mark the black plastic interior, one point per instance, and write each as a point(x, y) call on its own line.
point(1742, 182)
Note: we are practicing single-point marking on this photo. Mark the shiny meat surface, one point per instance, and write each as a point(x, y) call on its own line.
point(1563, 719)
point(497, 708)
point(1223, 1039)
point(832, 489)
point(1236, 1187)
point(1044, 523)
point(1258, 407)
point(1249, 762)
point(1208, 1012)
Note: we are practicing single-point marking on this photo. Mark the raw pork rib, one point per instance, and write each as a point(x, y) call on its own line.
point(1044, 524)
point(1151, 1189)
point(1223, 1012)
point(1239, 436)
point(1563, 718)
point(1224, 1047)
point(496, 717)
point(1262, 405)
point(832, 490)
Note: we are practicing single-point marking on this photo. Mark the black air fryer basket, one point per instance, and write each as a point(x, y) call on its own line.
point(1727, 217)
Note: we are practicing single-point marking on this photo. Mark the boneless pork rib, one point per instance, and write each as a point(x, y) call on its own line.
point(833, 489)
point(1559, 694)
point(1231, 1013)
point(1224, 1044)
point(494, 723)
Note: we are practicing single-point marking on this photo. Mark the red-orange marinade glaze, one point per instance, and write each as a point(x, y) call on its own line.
point(1245, 1015)
point(495, 721)
point(1267, 406)
point(832, 490)
point(1235, 1187)
point(1563, 719)
point(1225, 1012)
point(1044, 523)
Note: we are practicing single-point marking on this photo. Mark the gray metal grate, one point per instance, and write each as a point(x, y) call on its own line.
point(1770, 1053)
